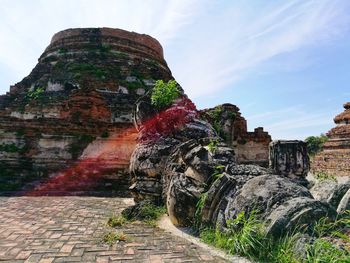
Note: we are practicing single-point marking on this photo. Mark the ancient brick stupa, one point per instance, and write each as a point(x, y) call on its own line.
point(335, 156)
point(69, 123)
point(76, 107)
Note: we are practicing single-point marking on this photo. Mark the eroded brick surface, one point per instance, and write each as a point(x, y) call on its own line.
point(70, 229)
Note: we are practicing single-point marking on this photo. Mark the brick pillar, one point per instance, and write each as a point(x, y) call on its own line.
point(289, 158)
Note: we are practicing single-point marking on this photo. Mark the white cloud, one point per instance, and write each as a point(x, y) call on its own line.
point(209, 45)
point(226, 47)
point(26, 26)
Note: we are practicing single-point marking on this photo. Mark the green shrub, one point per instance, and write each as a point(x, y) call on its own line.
point(231, 115)
point(218, 172)
point(36, 93)
point(20, 132)
point(164, 94)
point(323, 176)
point(324, 251)
point(105, 134)
point(87, 69)
point(334, 228)
point(10, 148)
point(62, 51)
point(105, 48)
point(112, 237)
point(114, 221)
point(199, 208)
point(245, 236)
point(145, 211)
point(213, 144)
point(215, 116)
point(315, 143)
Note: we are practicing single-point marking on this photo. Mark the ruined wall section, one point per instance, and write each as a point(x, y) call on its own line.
point(250, 147)
point(77, 102)
point(334, 159)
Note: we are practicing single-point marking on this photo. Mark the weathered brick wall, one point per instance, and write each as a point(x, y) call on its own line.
point(250, 147)
point(77, 103)
point(254, 148)
point(334, 159)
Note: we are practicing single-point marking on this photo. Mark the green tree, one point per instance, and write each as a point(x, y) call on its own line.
point(164, 94)
point(315, 143)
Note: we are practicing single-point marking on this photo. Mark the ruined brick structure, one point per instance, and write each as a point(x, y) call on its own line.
point(334, 159)
point(73, 113)
point(250, 147)
point(77, 105)
point(289, 158)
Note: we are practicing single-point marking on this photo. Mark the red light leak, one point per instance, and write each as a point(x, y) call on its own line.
point(87, 172)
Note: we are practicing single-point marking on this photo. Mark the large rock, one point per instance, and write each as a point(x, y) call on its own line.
point(147, 165)
point(223, 191)
point(264, 194)
point(192, 168)
point(160, 132)
point(344, 203)
point(297, 212)
point(330, 191)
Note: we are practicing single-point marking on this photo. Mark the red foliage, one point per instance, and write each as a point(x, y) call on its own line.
point(181, 112)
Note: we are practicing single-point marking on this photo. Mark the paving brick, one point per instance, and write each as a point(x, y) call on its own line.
point(70, 229)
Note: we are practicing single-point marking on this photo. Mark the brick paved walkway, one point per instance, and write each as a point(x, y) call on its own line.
point(70, 229)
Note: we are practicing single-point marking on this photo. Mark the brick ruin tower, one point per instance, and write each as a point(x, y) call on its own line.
point(334, 159)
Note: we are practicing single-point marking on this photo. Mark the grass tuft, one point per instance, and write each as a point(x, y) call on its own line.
point(150, 213)
point(146, 212)
point(113, 237)
point(114, 221)
point(245, 236)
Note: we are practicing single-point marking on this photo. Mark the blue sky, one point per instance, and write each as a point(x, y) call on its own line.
point(285, 64)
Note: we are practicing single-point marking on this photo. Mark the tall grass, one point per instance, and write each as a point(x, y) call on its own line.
point(245, 236)
point(147, 212)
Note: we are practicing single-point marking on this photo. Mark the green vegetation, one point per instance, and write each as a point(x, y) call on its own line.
point(112, 237)
point(114, 221)
point(245, 236)
point(218, 172)
point(147, 212)
point(36, 93)
point(315, 143)
point(323, 176)
point(10, 148)
point(212, 146)
point(199, 208)
point(20, 132)
point(327, 227)
point(105, 134)
point(231, 115)
point(164, 94)
point(132, 85)
point(121, 55)
point(87, 69)
point(62, 51)
point(324, 251)
point(105, 48)
point(215, 115)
